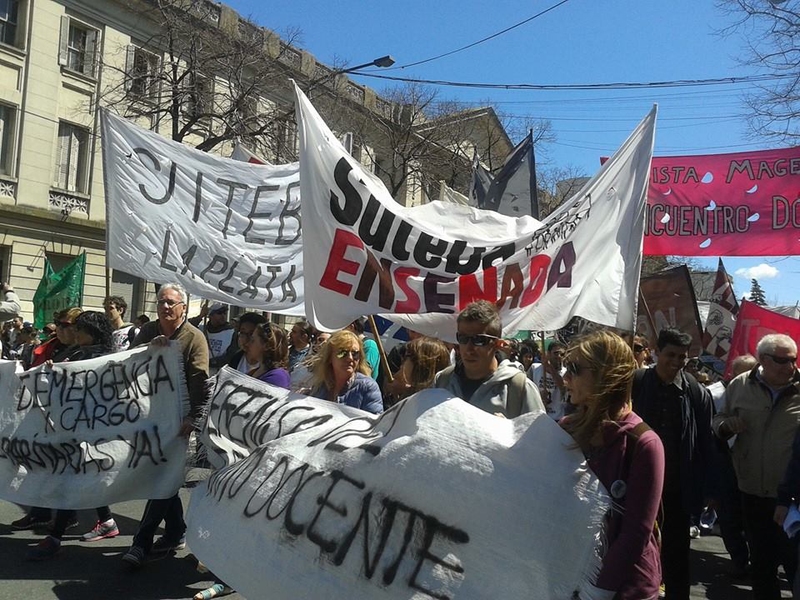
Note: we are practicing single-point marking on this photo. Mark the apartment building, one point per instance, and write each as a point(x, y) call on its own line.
point(60, 60)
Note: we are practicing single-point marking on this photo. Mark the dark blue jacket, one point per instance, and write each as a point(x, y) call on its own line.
point(697, 441)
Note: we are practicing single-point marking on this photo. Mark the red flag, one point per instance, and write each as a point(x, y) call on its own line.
point(720, 322)
point(752, 324)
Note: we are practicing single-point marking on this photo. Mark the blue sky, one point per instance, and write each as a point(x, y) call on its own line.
point(578, 42)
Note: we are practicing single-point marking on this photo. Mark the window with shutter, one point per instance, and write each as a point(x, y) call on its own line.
point(8, 125)
point(199, 98)
point(72, 152)
point(79, 46)
point(9, 18)
point(141, 81)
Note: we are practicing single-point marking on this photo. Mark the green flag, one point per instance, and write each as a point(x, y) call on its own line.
point(58, 291)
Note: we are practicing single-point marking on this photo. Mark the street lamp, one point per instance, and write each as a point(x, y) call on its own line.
point(382, 62)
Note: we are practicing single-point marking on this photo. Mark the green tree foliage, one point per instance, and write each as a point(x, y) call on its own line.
point(756, 293)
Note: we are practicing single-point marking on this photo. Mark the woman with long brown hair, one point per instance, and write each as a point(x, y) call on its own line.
point(269, 348)
point(627, 457)
point(422, 358)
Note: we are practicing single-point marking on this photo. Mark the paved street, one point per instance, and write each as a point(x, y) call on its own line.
point(94, 571)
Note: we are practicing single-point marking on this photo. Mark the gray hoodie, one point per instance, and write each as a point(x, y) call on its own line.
point(507, 391)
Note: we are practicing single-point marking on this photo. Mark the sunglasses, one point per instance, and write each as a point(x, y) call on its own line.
point(478, 340)
point(782, 360)
point(169, 303)
point(575, 369)
point(638, 348)
point(354, 354)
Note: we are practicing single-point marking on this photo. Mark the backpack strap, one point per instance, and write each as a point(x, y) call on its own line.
point(131, 336)
point(633, 436)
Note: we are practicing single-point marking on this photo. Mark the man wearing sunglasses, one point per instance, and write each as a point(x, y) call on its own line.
point(762, 409)
point(478, 377)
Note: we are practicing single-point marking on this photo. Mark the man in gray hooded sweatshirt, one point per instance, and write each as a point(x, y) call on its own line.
point(478, 378)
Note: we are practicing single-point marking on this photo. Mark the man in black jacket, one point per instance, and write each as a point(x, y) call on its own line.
point(679, 410)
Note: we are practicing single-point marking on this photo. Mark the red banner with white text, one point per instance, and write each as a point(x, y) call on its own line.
point(742, 204)
point(752, 324)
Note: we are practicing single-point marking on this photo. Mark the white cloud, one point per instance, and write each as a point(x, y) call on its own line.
point(762, 271)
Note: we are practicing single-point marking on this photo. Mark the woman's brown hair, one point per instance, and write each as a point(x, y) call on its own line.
point(428, 356)
point(276, 345)
point(611, 363)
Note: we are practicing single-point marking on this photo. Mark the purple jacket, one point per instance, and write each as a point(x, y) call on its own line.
point(278, 377)
point(631, 564)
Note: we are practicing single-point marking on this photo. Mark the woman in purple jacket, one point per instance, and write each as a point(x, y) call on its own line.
point(626, 456)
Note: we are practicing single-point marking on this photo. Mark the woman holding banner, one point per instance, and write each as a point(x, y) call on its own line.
point(93, 338)
point(342, 374)
point(55, 350)
point(627, 457)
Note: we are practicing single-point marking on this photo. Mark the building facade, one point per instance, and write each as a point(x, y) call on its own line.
point(60, 60)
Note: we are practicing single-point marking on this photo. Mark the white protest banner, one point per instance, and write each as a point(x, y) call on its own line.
point(244, 414)
point(432, 499)
point(226, 230)
point(94, 432)
point(371, 255)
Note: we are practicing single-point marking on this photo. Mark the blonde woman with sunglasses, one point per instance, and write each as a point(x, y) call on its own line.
point(341, 374)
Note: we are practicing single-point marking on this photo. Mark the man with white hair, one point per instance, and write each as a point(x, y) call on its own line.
point(762, 409)
point(172, 325)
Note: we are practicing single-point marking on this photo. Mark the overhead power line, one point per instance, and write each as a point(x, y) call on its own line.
point(677, 83)
point(486, 39)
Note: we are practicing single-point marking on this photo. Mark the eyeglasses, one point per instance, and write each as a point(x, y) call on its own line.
point(575, 369)
point(168, 303)
point(354, 354)
point(478, 340)
point(782, 360)
point(638, 348)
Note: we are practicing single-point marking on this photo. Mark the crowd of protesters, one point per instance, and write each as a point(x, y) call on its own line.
point(666, 442)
